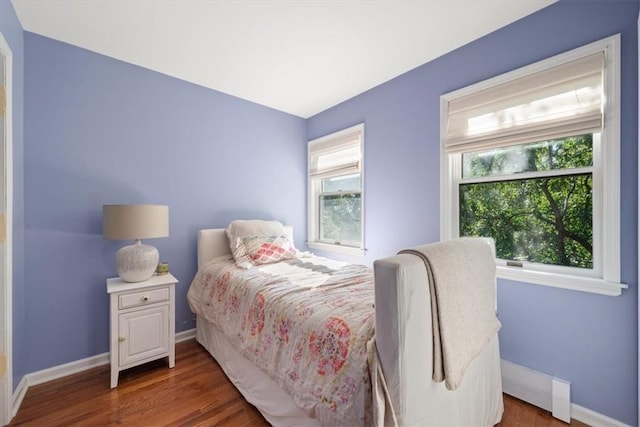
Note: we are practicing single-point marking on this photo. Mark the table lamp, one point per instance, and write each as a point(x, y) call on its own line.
point(137, 262)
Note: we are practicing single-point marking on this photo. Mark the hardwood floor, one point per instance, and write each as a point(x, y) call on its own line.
point(194, 393)
point(520, 414)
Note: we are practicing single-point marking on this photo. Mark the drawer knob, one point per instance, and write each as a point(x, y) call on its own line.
point(145, 298)
point(121, 339)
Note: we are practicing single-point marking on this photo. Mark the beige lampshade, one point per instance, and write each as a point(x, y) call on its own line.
point(137, 262)
point(130, 222)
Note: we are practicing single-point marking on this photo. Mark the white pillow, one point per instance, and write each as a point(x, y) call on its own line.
point(242, 228)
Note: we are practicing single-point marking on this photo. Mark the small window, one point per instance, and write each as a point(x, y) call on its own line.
point(335, 192)
point(531, 159)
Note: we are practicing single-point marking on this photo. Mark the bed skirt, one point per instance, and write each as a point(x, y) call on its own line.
point(275, 405)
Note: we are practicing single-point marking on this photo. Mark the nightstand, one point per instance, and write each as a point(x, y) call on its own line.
point(142, 326)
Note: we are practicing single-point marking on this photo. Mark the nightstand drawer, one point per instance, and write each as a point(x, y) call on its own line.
point(143, 298)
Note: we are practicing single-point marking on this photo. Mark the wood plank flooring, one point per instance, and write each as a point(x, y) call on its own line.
point(194, 393)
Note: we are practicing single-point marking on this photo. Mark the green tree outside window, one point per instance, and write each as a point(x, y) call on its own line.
point(544, 219)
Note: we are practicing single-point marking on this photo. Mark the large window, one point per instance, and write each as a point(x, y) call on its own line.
point(335, 192)
point(531, 159)
point(535, 200)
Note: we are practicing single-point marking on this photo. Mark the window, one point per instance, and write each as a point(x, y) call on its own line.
point(531, 159)
point(335, 192)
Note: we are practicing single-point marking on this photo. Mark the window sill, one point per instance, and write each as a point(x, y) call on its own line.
point(346, 250)
point(563, 281)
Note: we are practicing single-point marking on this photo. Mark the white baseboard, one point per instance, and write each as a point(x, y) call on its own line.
point(18, 395)
point(186, 335)
point(537, 388)
point(593, 418)
point(64, 370)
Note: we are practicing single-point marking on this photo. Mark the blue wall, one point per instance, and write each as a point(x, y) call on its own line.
point(12, 31)
point(588, 339)
point(100, 131)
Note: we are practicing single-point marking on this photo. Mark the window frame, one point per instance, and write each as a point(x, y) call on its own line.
point(315, 191)
point(604, 278)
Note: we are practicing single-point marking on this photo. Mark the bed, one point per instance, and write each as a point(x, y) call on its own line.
point(395, 386)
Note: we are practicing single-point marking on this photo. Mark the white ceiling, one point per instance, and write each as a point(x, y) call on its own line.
point(297, 56)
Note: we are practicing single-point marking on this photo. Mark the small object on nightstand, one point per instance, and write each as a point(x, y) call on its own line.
point(142, 326)
point(163, 268)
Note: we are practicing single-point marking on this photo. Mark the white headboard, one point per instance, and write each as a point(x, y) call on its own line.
point(213, 243)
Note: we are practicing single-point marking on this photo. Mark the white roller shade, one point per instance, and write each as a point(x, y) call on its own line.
point(336, 156)
point(553, 103)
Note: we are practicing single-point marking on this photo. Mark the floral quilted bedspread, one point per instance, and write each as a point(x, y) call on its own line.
point(307, 322)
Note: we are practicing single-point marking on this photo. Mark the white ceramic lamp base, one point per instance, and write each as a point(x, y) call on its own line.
point(137, 262)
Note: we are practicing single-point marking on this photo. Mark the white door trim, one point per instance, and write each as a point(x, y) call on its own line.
point(6, 382)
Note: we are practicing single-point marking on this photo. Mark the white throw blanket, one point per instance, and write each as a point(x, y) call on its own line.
point(462, 283)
